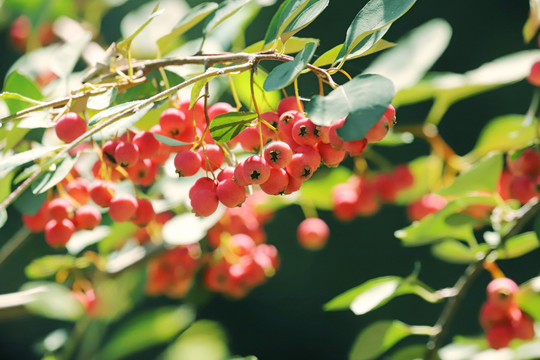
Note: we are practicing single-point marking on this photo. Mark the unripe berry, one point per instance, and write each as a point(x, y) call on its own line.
point(101, 193)
point(499, 336)
point(330, 156)
point(60, 209)
point(87, 217)
point(230, 193)
point(147, 144)
point(278, 154)
point(304, 132)
point(256, 170)
point(123, 207)
point(69, 127)
point(173, 122)
point(126, 154)
point(534, 75)
point(145, 212)
point(427, 204)
point(312, 233)
point(211, 157)
point(288, 104)
point(277, 182)
point(58, 233)
point(204, 202)
point(187, 163)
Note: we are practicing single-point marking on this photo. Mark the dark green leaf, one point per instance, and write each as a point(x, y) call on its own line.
point(483, 176)
point(309, 13)
point(225, 10)
point(226, 126)
point(284, 74)
point(363, 100)
point(169, 141)
point(407, 62)
point(287, 11)
point(377, 338)
point(53, 177)
point(192, 18)
point(536, 226)
point(318, 190)
point(29, 203)
point(53, 301)
point(453, 251)
point(22, 85)
point(3, 217)
point(375, 15)
point(520, 245)
point(148, 329)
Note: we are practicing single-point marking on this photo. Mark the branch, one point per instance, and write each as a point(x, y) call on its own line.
point(471, 273)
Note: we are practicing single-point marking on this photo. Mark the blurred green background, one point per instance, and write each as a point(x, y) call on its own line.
point(283, 319)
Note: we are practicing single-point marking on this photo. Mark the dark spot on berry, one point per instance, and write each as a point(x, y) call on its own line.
point(306, 172)
point(303, 131)
point(287, 118)
point(255, 175)
point(317, 131)
point(274, 155)
point(110, 157)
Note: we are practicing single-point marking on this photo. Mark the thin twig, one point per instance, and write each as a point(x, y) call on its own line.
point(468, 277)
point(12, 244)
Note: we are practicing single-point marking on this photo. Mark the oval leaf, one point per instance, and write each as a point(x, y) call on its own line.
point(454, 252)
point(10, 162)
point(377, 338)
point(53, 301)
point(520, 245)
point(309, 13)
point(52, 178)
point(284, 74)
point(226, 126)
point(169, 141)
point(48, 265)
point(225, 10)
point(287, 11)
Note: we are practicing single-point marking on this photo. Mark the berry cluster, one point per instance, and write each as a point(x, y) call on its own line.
point(521, 179)
point(501, 317)
point(361, 195)
point(21, 29)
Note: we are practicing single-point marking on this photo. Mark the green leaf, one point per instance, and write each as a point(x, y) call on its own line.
point(22, 85)
point(226, 126)
point(434, 227)
point(3, 217)
point(483, 176)
point(102, 101)
point(529, 297)
point(11, 162)
point(427, 171)
point(318, 190)
point(53, 301)
point(192, 18)
point(454, 252)
point(375, 15)
point(363, 100)
point(112, 111)
point(53, 177)
point(49, 265)
point(519, 245)
point(411, 352)
point(120, 126)
point(393, 138)
point(196, 90)
point(309, 13)
point(266, 100)
point(377, 338)
point(28, 203)
point(188, 228)
point(536, 226)
point(169, 141)
point(148, 329)
point(125, 44)
point(533, 22)
point(10, 95)
point(293, 45)
point(83, 238)
point(65, 57)
point(287, 11)
point(406, 63)
point(118, 233)
point(36, 120)
point(203, 340)
point(366, 297)
point(225, 10)
point(284, 74)
point(504, 133)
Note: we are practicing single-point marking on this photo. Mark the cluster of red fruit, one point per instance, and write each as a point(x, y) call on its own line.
point(521, 179)
point(361, 195)
point(21, 29)
point(501, 317)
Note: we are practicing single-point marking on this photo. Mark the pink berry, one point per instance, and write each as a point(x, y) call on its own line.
point(196, 111)
point(404, 177)
point(219, 108)
point(288, 104)
point(300, 167)
point(173, 122)
point(304, 132)
point(287, 121)
point(277, 182)
point(126, 154)
point(108, 150)
point(147, 144)
point(311, 154)
point(87, 217)
point(204, 183)
point(227, 173)
point(256, 170)
point(355, 147)
point(427, 204)
point(123, 207)
point(273, 119)
point(334, 138)
point(230, 193)
point(386, 187)
point(345, 202)
point(69, 127)
point(381, 127)
point(249, 139)
point(501, 291)
point(330, 156)
point(58, 232)
point(312, 233)
point(293, 185)
point(211, 157)
point(204, 202)
point(239, 177)
point(534, 75)
point(523, 328)
point(499, 336)
point(145, 212)
point(187, 163)
point(278, 154)
point(60, 209)
point(101, 193)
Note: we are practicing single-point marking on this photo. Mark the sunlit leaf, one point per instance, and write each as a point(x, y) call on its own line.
point(17, 83)
point(287, 11)
point(377, 338)
point(226, 9)
point(11, 162)
point(293, 45)
point(83, 238)
point(266, 101)
point(119, 127)
point(49, 265)
point(426, 171)
point(533, 22)
point(188, 228)
point(169, 141)
point(309, 13)
point(196, 90)
point(453, 251)
point(226, 126)
point(53, 301)
point(102, 101)
point(10, 95)
point(519, 245)
point(284, 74)
point(51, 178)
point(36, 120)
point(66, 56)
point(125, 44)
point(203, 340)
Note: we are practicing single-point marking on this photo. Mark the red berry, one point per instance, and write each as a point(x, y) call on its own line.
point(37, 222)
point(278, 154)
point(79, 190)
point(345, 202)
point(145, 212)
point(187, 163)
point(273, 119)
point(312, 156)
point(503, 186)
point(147, 144)
point(312, 233)
point(256, 170)
point(527, 164)
point(101, 193)
point(367, 203)
point(304, 132)
point(330, 156)
point(386, 187)
point(534, 75)
point(211, 157)
point(501, 292)
point(219, 108)
point(334, 138)
point(69, 127)
point(108, 150)
point(123, 207)
point(230, 193)
point(300, 167)
point(523, 189)
point(239, 177)
point(293, 185)
point(173, 122)
point(249, 139)
point(204, 202)
point(288, 104)
point(381, 127)
point(427, 204)
point(87, 217)
point(277, 182)
point(19, 31)
point(523, 328)
point(60, 209)
point(287, 121)
point(58, 233)
point(143, 172)
point(499, 336)
point(126, 154)
point(203, 183)
point(197, 110)
point(355, 147)
point(404, 177)
point(227, 173)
